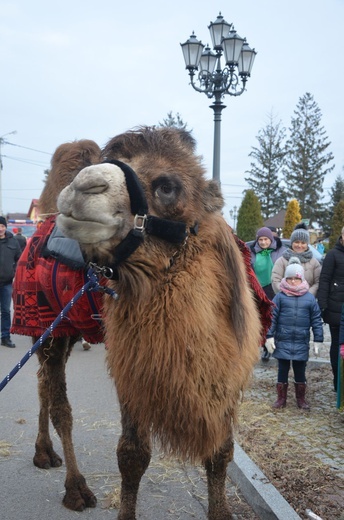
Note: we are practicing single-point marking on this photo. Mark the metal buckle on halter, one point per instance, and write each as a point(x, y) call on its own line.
point(105, 271)
point(140, 222)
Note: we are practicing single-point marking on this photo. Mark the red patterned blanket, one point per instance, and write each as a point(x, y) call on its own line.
point(42, 288)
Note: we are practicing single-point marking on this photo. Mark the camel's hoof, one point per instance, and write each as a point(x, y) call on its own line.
point(47, 460)
point(78, 496)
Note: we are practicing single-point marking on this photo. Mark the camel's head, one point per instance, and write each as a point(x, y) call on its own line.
point(156, 173)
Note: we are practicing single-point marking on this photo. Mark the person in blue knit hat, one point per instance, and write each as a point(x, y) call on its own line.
point(296, 311)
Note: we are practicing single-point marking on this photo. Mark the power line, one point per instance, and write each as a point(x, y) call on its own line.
point(26, 147)
point(20, 189)
point(42, 164)
point(236, 185)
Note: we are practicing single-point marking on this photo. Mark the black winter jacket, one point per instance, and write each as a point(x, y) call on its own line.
point(9, 254)
point(331, 285)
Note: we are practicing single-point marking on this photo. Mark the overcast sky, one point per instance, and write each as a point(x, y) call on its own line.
point(91, 69)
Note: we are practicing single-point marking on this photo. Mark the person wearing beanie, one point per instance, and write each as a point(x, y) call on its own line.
point(294, 269)
point(3, 221)
point(331, 298)
point(296, 311)
point(9, 254)
point(299, 235)
point(266, 249)
point(299, 248)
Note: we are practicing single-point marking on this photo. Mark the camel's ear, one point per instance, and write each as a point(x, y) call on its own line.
point(212, 197)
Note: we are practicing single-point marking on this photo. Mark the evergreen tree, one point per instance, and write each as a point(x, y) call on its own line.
point(268, 160)
point(337, 191)
point(307, 162)
point(336, 195)
point(249, 217)
point(337, 223)
point(174, 120)
point(292, 217)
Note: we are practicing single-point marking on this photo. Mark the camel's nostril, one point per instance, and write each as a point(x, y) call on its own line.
point(90, 184)
point(96, 189)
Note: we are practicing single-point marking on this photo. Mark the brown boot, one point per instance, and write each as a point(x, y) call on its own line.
point(300, 392)
point(281, 401)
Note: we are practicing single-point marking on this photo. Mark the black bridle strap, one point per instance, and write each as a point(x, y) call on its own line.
point(170, 230)
point(138, 201)
point(125, 248)
point(173, 231)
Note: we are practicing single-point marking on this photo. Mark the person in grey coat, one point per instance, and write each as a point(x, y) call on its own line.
point(296, 311)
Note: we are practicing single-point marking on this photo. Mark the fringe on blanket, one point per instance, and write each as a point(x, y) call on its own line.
point(264, 305)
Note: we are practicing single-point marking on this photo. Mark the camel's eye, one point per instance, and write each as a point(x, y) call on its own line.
point(166, 188)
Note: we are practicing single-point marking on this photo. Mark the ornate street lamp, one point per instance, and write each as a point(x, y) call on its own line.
point(212, 79)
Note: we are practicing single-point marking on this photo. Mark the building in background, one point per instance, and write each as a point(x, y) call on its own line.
point(27, 221)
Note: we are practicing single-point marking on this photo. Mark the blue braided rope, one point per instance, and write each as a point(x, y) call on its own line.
point(91, 285)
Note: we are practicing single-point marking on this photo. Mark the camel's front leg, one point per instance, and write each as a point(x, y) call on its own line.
point(53, 356)
point(133, 454)
point(216, 469)
point(45, 457)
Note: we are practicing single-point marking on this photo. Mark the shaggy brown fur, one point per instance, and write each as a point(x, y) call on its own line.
point(186, 368)
point(184, 336)
point(195, 331)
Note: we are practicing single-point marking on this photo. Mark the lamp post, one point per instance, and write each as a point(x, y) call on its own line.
point(2, 141)
point(212, 79)
point(233, 214)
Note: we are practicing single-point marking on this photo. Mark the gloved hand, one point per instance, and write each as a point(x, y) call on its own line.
point(342, 351)
point(270, 345)
point(317, 347)
point(323, 312)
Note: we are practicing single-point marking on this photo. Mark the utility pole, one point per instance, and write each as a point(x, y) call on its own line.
point(2, 141)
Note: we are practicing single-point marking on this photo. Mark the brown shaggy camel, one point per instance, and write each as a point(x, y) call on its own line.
point(29, 297)
point(184, 335)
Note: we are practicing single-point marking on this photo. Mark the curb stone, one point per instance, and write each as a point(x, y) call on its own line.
point(260, 494)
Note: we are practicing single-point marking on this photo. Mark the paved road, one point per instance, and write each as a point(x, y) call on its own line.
point(169, 490)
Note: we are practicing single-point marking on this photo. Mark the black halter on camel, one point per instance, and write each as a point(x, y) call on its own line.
point(172, 231)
